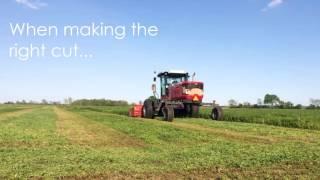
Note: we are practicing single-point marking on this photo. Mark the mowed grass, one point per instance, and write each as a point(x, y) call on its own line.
point(294, 118)
point(12, 108)
point(71, 142)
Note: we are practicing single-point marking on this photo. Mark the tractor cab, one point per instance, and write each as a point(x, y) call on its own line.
point(176, 86)
point(171, 78)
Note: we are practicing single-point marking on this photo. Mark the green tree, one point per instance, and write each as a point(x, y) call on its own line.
point(271, 99)
point(287, 105)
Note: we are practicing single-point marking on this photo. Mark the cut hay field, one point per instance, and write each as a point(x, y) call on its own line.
point(293, 118)
point(102, 142)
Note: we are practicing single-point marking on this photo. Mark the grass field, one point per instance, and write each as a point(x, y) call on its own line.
point(295, 118)
point(101, 142)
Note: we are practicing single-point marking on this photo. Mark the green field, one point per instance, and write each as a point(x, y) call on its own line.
point(102, 142)
point(296, 118)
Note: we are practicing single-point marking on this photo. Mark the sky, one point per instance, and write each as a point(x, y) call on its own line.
point(240, 49)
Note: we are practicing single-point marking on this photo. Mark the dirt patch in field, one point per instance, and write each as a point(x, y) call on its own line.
point(304, 170)
point(14, 114)
point(83, 131)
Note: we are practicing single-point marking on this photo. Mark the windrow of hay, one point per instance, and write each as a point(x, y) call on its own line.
point(248, 136)
point(227, 134)
point(7, 115)
point(82, 131)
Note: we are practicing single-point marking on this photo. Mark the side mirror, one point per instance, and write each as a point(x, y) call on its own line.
point(193, 76)
point(155, 76)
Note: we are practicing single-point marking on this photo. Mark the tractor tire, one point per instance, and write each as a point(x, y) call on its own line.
point(192, 110)
point(148, 109)
point(168, 113)
point(195, 111)
point(188, 110)
point(217, 113)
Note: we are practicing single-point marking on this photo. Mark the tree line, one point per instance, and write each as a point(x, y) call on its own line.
point(42, 102)
point(273, 101)
point(70, 101)
point(269, 101)
point(99, 102)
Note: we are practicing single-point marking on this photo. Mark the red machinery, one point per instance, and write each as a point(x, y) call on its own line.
point(136, 110)
point(178, 96)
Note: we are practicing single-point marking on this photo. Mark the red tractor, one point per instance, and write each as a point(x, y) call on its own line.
point(178, 96)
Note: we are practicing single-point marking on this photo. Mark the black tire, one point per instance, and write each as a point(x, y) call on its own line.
point(217, 113)
point(168, 113)
point(188, 110)
point(195, 111)
point(147, 110)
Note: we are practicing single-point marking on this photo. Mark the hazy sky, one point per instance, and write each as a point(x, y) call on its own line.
point(240, 49)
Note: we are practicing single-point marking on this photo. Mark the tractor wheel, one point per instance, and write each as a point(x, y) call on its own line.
point(217, 113)
point(192, 110)
point(148, 109)
point(188, 110)
point(168, 113)
point(195, 111)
